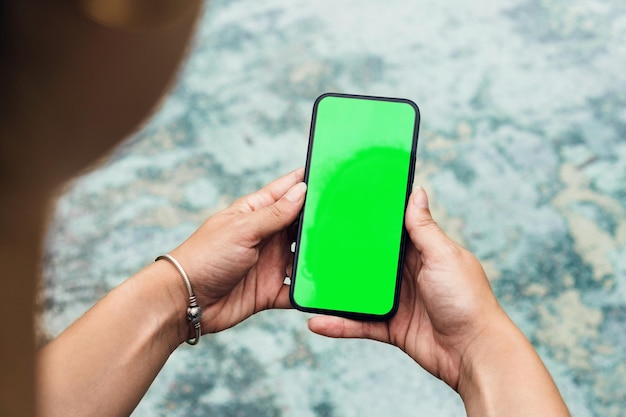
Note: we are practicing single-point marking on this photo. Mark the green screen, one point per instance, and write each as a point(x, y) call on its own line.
point(359, 171)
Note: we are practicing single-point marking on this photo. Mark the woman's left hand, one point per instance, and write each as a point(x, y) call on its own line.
point(238, 259)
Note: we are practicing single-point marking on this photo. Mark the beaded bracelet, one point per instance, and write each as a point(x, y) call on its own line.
point(194, 311)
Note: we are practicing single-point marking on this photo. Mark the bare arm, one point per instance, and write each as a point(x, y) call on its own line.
point(503, 375)
point(103, 364)
point(450, 323)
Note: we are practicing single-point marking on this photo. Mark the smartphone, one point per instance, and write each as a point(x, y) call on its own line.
point(349, 249)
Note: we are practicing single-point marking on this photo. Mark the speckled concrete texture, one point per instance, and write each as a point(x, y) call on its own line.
point(522, 149)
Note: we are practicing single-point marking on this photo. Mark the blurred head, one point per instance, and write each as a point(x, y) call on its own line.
point(73, 87)
point(135, 15)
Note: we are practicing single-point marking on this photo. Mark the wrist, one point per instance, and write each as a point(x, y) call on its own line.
point(194, 311)
point(479, 368)
point(169, 288)
point(501, 374)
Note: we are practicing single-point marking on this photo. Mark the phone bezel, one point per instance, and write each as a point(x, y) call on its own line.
point(404, 235)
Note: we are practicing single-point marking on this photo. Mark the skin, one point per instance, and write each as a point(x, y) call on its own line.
point(72, 89)
point(449, 320)
point(450, 323)
point(236, 262)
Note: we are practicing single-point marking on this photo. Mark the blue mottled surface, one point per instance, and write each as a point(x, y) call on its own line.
point(522, 149)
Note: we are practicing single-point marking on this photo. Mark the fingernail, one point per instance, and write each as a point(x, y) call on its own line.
point(420, 200)
point(296, 193)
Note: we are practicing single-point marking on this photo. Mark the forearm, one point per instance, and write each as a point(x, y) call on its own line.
point(506, 377)
point(104, 363)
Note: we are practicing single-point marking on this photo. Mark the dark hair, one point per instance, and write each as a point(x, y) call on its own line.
point(4, 34)
point(7, 62)
point(3, 28)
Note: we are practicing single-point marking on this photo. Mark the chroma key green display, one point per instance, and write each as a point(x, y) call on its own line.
point(359, 171)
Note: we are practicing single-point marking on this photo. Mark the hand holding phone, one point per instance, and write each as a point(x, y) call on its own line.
point(359, 171)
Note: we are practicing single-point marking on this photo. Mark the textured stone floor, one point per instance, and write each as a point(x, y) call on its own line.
point(522, 149)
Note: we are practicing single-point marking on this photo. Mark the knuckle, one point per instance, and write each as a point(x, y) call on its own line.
point(276, 212)
point(424, 223)
point(454, 250)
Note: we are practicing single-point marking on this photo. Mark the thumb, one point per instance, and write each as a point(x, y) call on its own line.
point(423, 230)
point(277, 216)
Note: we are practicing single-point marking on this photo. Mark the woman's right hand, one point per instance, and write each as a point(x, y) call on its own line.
point(450, 322)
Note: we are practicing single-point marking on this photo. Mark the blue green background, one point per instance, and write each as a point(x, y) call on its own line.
point(522, 151)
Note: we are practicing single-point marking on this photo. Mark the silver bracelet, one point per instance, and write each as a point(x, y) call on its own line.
point(194, 311)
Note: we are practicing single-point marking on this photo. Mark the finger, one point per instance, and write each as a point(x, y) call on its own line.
point(268, 220)
point(339, 327)
point(271, 192)
point(423, 230)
